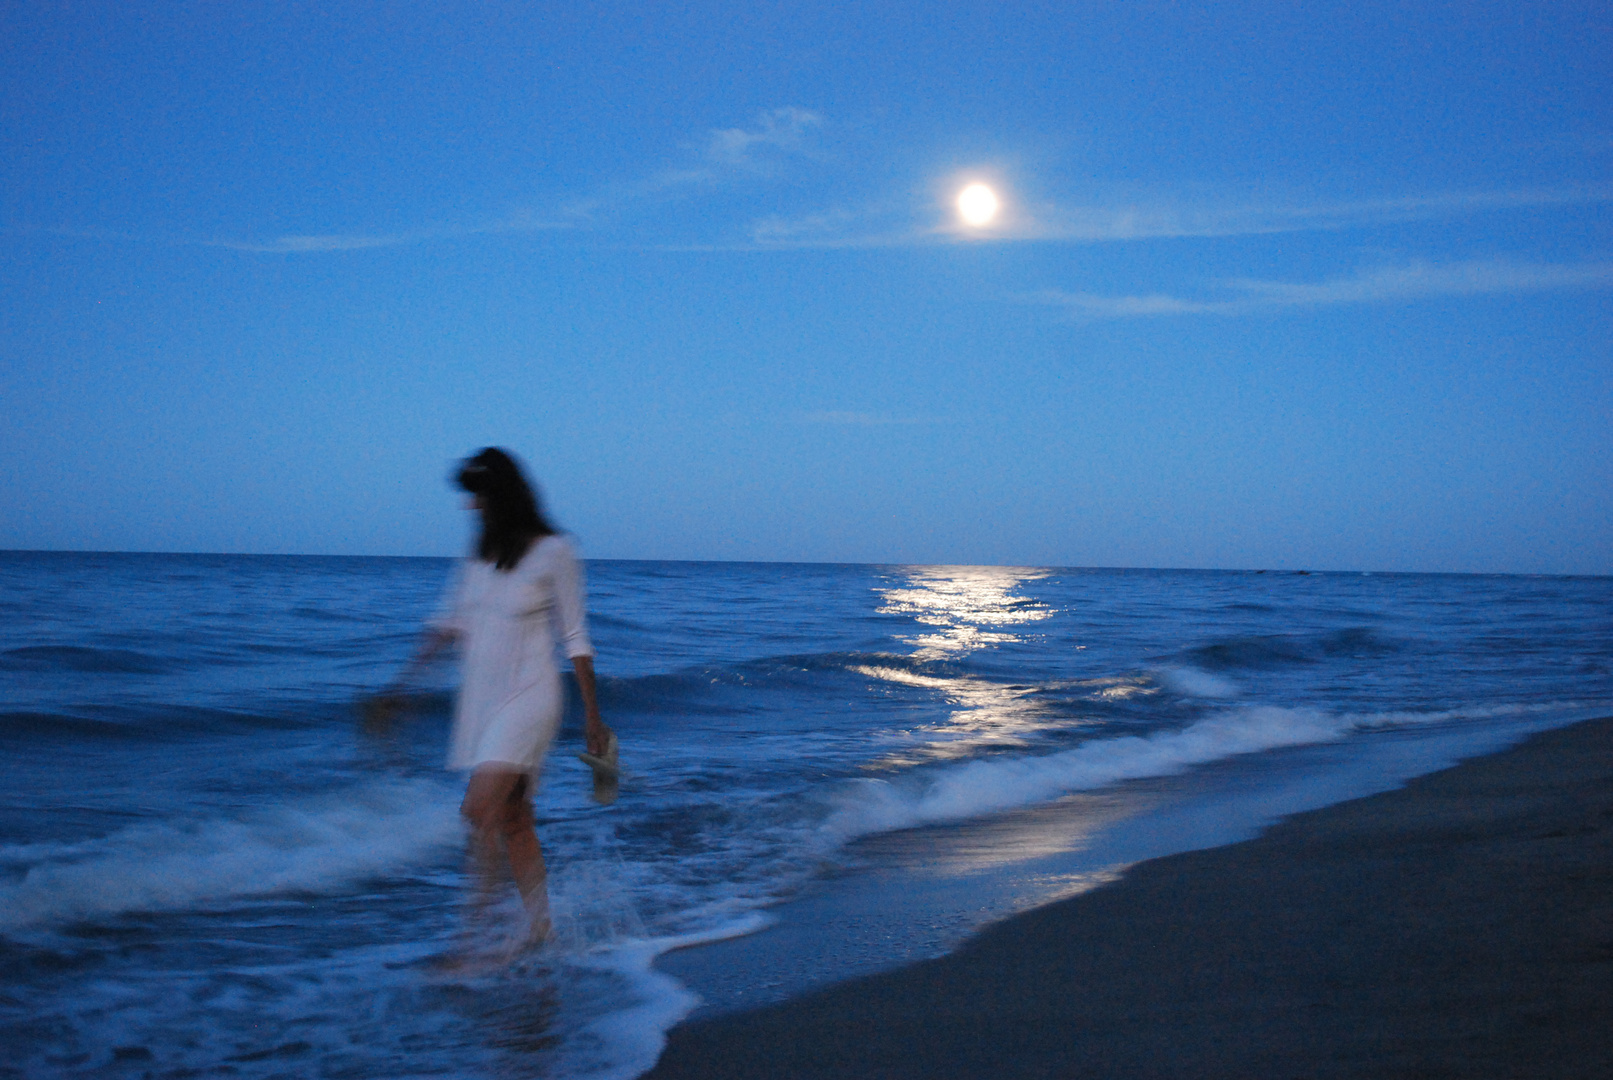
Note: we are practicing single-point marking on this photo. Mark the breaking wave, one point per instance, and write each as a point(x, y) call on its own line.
point(992, 785)
point(165, 866)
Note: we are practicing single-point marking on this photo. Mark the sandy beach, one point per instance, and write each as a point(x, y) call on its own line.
point(1459, 927)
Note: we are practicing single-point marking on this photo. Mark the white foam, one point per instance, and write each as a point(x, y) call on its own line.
point(315, 846)
point(997, 784)
point(627, 1042)
point(1401, 718)
point(993, 785)
point(1191, 682)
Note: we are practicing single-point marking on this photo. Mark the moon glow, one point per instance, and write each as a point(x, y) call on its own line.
point(977, 205)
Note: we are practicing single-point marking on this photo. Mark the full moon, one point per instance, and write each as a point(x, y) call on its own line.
point(977, 204)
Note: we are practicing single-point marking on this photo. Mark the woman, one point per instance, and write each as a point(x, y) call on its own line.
point(508, 607)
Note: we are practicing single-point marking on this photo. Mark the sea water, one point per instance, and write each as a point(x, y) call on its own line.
point(210, 866)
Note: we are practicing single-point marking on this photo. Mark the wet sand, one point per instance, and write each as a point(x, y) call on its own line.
point(1459, 927)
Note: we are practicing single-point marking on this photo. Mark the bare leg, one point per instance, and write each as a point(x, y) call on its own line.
point(490, 787)
point(484, 865)
point(500, 813)
point(526, 862)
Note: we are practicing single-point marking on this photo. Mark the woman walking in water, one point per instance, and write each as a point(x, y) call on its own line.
point(508, 607)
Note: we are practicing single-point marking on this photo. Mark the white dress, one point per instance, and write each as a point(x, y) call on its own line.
point(508, 624)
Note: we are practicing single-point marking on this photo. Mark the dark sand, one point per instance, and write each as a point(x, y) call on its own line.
point(1459, 927)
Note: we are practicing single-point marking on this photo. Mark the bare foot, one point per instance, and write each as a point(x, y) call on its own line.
point(540, 925)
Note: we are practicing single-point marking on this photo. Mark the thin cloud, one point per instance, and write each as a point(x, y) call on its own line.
point(778, 131)
point(300, 245)
point(279, 245)
point(862, 419)
point(297, 244)
point(776, 134)
point(780, 230)
point(874, 227)
point(725, 154)
point(1414, 281)
point(1141, 223)
point(780, 138)
point(835, 228)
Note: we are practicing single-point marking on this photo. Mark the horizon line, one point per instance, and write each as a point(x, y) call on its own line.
point(1278, 570)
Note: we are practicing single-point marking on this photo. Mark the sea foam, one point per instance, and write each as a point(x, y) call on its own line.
point(315, 846)
point(1191, 682)
point(991, 785)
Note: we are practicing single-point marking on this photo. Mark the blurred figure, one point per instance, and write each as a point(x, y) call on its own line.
point(508, 607)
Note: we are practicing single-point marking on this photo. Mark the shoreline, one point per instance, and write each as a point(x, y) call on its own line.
point(1461, 925)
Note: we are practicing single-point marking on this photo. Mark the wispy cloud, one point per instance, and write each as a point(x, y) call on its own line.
point(318, 243)
point(723, 155)
point(863, 419)
point(1420, 280)
point(1122, 221)
point(777, 132)
point(783, 140)
point(1251, 219)
point(301, 245)
point(277, 245)
point(775, 135)
point(840, 227)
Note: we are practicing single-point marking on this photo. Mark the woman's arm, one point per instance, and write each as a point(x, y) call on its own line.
point(596, 731)
point(436, 639)
point(573, 625)
point(381, 710)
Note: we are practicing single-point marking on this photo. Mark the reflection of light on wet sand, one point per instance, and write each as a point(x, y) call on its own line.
point(1051, 888)
point(968, 605)
point(973, 847)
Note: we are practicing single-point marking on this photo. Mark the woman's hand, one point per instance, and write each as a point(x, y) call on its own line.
point(382, 709)
point(437, 639)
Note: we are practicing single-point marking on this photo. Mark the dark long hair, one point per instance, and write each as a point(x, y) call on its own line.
point(511, 517)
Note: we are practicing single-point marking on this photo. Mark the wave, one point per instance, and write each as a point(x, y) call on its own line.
point(997, 784)
point(627, 1043)
point(325, 614)
point(79, 658)
point(167, 722)
point(678, 689)
point(23, 725)
point(617, 622)
point(318, 846)
point(1191, 682)
point(731, 690)
point(1282, 650)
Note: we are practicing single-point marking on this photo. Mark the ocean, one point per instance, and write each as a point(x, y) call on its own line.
point(210, 867)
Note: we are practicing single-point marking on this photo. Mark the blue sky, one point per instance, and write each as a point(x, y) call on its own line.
point(1275, 285)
